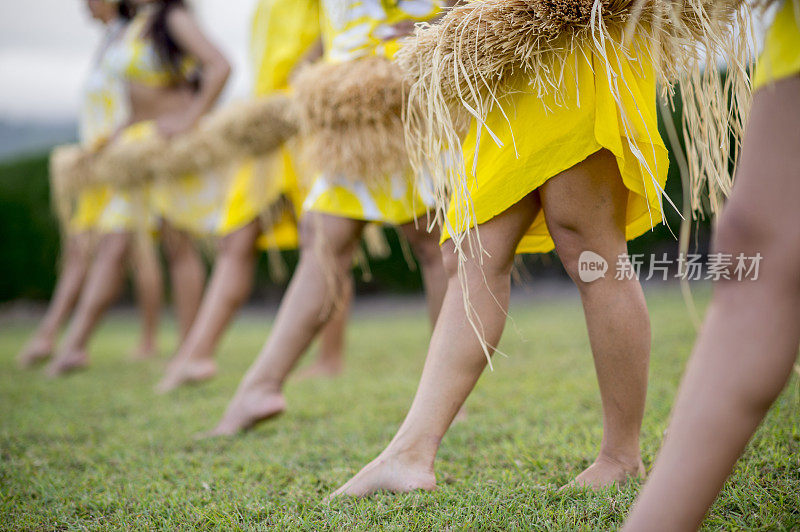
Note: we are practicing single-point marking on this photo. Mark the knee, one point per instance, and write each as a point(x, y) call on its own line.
point(741, 230)
point(490, 266)
point(240, 247)
point(570, 243)
point(114, 246)
point(426, 249)
point(77, 252)
point(449, 258)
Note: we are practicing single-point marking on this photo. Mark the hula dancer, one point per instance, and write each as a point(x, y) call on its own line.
point(748, 344)
point(104, 110)
point(357, 36)
point(174, 76)
point(263, 202)
point(563, 153)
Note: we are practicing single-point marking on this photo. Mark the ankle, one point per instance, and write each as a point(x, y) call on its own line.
point(262, 385)
point(413, 454)
point(629, 460)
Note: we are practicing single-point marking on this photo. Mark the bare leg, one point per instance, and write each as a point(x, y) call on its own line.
point(427, 252)
point(330, 361)
point(230, 286)
point(103, 283)
point(187, 275)
point(149, 285)
point(306, 307)
point(77, 256)
point(749, 341)
point(585, 210)
point(455, 358)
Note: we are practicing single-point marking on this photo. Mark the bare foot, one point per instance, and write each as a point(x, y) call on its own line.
point(321, 369)
point(387, 473)
point(35, 351)
point(144, 352)
point(605, 472)
point(67, 362)
point(188, 371)
point(247, 409)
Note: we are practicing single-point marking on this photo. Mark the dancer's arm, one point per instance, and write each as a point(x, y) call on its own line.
point(215, 71)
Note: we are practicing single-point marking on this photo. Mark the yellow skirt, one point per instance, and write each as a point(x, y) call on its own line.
point(551, 136)
point(398, 202)
point(781, 55)
point(89, 209)
point(190, 203)
point(257, 185)
point(127, 211)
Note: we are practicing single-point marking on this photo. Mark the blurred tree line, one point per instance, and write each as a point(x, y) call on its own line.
point(29, 239)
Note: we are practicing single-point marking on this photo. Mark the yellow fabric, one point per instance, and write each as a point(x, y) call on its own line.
point(141, 63)
point(283, 31)
point(553, 136)
point(258, 184)
point(91, 204)
point(781, 55)
point(358, 28)
point(398, 203)
point(352, 29)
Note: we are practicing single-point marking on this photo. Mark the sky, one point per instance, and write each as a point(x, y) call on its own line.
point(46, 48)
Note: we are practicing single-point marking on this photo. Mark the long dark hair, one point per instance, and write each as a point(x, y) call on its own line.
point(125, 10)
point(168, 51)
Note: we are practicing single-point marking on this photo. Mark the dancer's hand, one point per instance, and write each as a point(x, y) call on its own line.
point(401, 29)
point(175, 124)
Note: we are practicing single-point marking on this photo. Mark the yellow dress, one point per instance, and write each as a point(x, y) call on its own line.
point(283, 31)
point(352, 29)
point(103, 111)
point(189, 203)
point(550, 136)
point(781, 55)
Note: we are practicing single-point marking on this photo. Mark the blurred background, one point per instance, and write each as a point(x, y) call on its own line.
point(46, 47)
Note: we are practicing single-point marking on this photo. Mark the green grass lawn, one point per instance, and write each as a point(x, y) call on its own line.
point(99, 450)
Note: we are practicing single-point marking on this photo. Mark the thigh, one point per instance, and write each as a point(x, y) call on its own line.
point(242, 241)
point(589, 199)
point(498, 238)
point(767, 185)
point(333, 233)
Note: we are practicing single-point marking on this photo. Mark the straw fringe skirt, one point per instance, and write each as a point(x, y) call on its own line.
point(544, 136)
point(189, 203)
point(781, 55)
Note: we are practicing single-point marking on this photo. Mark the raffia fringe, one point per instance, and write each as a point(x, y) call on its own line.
point(69, 167)
point(460, 69)
point(254, 128)
point(350, 118)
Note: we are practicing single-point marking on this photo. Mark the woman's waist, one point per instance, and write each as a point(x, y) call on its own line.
point(150, 104)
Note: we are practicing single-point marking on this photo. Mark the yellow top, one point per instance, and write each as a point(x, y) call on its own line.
point(360, 28)
point(781, 55)
point(137, 60)
point(283, 31)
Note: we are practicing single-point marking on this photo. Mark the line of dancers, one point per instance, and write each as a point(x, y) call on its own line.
point(565, 154)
